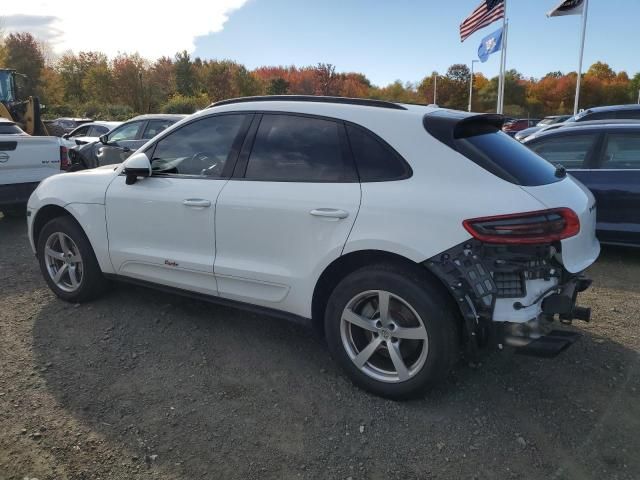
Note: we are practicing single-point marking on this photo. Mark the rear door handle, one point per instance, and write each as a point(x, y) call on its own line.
point(329, 213)
point(196, 202)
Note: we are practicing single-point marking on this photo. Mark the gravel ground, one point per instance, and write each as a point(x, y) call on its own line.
point(141, 384)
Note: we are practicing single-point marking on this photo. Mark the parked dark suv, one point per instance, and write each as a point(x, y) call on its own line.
point(606, 158)
point(612, 112)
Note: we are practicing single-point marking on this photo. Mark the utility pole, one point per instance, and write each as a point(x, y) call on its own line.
point(473, 62)
point(435, 88)
point(584, 29)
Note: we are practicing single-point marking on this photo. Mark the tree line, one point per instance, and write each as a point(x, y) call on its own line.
point(91, 84)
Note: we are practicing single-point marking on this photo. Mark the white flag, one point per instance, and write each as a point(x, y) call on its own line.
point(567, 7)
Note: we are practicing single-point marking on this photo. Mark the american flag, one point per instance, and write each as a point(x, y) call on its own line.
point(487, 12)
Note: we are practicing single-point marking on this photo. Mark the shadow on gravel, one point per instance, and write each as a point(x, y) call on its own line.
point(217, 392)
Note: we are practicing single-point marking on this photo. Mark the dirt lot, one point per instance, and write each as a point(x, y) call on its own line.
point(146, 385)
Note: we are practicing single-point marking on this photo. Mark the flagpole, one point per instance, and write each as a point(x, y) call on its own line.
point(504, 64)
point(502, 58)
point(473, 62)
point(579, 80)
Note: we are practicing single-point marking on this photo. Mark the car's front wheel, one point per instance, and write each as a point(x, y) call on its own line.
point(67, 261)
point(391, 330)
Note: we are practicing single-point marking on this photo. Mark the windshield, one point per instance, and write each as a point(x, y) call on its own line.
point(6, 86)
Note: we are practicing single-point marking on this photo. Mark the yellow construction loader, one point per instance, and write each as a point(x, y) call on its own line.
point(24, 112)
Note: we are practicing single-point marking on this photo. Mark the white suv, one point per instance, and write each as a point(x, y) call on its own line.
point(404, 233)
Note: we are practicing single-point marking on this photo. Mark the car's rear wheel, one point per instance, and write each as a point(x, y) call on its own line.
point(391, 330)
point(67, 261)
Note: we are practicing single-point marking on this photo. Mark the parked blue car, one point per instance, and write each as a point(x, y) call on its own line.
point(605, 158)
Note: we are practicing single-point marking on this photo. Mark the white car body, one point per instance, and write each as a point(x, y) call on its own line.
point(255, 267)
point(24, 162)
point(268, 243)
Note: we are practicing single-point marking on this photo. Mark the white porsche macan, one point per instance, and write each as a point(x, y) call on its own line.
point(403, 233)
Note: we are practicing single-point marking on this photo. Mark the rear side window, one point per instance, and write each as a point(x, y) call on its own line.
point(10, 129)
point(623, 151)
point(568, 151)
point(290, 148)
point(376, 161)
point(507, 158)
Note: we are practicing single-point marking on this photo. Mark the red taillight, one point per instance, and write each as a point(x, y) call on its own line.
point(543, 226)
point(64, 158)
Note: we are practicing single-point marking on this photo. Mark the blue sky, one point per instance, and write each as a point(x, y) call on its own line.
point(407, 39)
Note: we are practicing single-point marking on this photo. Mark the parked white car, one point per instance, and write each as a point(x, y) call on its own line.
point(88, 133)
point(402, 232)
point(24, 162)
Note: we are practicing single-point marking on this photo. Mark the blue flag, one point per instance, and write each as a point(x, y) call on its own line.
point(490, 44)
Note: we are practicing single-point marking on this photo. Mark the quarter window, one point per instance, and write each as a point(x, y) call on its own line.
point(290, 148)
point(623, 151)
point(568, 151)
point(200, 148)
point(376, 162)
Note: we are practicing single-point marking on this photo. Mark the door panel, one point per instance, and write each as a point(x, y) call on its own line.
point(616, 186)
point(154, 236)
point(271, 246)
point(161, 228)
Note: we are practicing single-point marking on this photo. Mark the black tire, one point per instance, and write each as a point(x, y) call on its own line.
point(430, 302)
point(93, 283)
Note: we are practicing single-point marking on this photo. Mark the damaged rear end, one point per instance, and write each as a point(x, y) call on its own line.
point(520, 272)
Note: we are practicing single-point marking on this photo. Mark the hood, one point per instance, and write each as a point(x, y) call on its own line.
point(86, 186)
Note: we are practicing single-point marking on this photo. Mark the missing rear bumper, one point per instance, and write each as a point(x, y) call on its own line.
point(510, 294)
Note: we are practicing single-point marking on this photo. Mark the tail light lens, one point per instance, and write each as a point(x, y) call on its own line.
point(64, 158)
point(543, 226)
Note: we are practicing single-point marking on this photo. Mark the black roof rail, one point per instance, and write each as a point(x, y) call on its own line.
point(365, 102)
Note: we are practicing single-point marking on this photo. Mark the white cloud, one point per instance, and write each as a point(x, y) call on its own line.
point(152, 29)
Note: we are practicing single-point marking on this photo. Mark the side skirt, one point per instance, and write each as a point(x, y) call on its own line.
point(257, 309)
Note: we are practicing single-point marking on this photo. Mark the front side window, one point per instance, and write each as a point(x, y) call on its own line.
point(201, 148)
point(376, 162)
point(80, 131)
point(97, 130)
point(154, 127)
point(290, 148)
point(568, 151)
point(623, 151)
point(125, 132)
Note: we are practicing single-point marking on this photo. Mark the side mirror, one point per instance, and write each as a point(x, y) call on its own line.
point(65, 136)
point(104, 139)
point(137, 165)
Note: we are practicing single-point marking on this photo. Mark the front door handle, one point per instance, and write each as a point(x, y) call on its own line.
point(196, 202)
point(329, 213)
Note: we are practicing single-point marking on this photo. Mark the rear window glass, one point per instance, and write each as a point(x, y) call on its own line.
point(9, 129)
point(506, 158)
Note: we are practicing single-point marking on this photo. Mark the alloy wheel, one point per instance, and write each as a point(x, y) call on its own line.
point(63, 261)
point(384, 336)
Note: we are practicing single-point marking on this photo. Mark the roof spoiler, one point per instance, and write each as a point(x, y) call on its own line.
point(450, 125)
